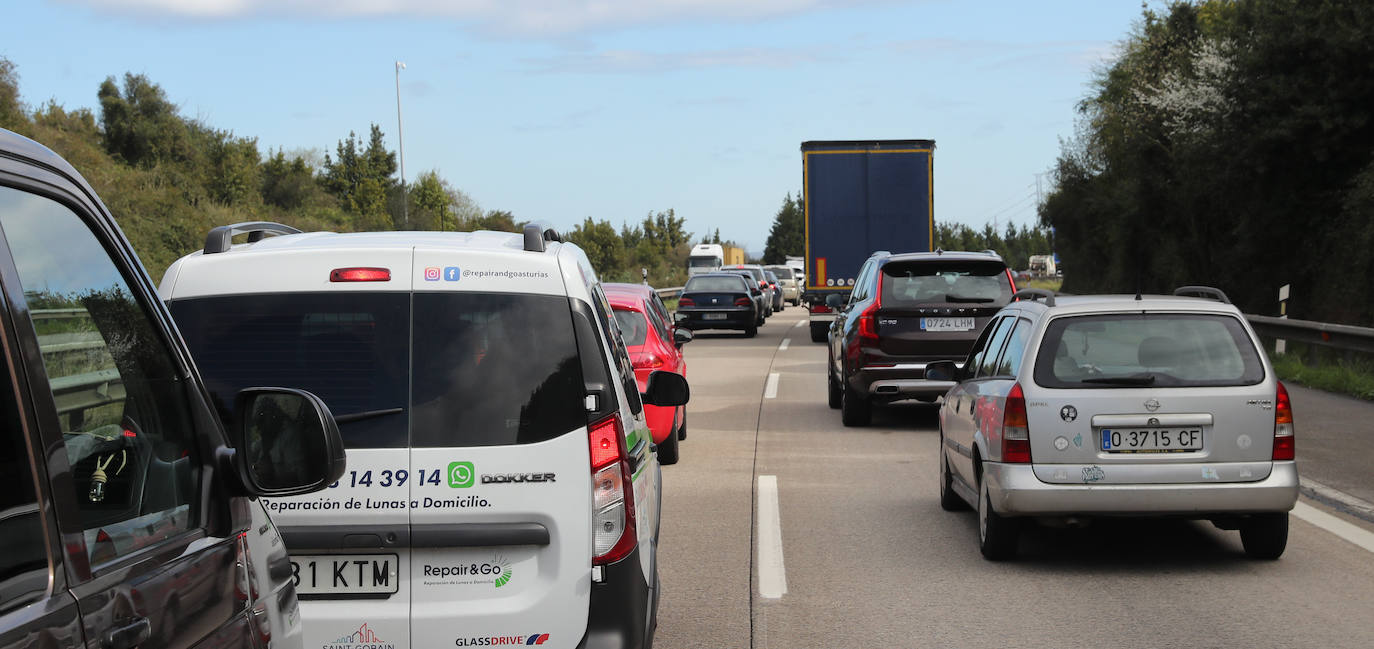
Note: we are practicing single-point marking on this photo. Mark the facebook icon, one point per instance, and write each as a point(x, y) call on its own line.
point(452, 273)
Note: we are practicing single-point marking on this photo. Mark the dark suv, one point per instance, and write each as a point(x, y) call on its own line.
point(907, 310)
point(125, 511)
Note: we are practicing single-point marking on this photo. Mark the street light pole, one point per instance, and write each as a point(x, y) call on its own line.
point(401, 139)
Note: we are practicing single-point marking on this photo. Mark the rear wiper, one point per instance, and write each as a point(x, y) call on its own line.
point(960, 298)
point(1138, 379)
point(367, 414)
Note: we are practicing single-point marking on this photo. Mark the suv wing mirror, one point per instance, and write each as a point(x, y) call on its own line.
point(286, 442)
point(666, 389)
point(942, 371)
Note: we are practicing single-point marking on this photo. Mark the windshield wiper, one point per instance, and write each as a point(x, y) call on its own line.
point(960, 298)
point(368, 414)
point(1138, 379)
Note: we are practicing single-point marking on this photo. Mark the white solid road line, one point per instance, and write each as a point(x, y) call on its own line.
point(1357, 535)
point(799, 323)
point(772, 576)
point(785, 343)
point(770, 389)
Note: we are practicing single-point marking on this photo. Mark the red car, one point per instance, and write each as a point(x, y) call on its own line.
point(654, 343)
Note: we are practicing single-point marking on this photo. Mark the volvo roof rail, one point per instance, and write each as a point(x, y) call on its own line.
point(1203, 292)
point(220, 238)
point(1033, 293)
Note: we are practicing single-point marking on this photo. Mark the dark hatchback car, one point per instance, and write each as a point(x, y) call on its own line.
point(907, 310)
point(720, 301)
point(125, 518)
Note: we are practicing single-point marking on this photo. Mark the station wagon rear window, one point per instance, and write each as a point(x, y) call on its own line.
point(488, 369)
point(1147, 350)
point(960, 282)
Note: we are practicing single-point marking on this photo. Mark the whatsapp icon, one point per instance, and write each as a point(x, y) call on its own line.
point(460, 474)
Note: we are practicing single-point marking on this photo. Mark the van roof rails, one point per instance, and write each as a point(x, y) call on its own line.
point(1033, 293)
point(1203, 292)
point(536, 237)
point(219, 239)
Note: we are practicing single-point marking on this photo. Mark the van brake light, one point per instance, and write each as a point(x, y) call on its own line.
point(360, 275)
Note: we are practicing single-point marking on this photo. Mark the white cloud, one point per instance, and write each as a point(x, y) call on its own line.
point(529, 17)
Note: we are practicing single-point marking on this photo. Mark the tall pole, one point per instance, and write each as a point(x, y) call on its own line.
point(401, 139)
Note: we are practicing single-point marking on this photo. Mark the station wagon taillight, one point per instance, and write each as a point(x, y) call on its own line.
point(1015, 428)
point(360, 275)
point(1284, 447)
point(613, 523)
point(686, 301)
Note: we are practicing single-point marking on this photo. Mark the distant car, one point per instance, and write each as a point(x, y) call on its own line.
point(789, 280)
point(1069, 408)
point(762, 297)
point(654, 344)
point(756, 271)
point(720, 301)
point(907, 310)
point(777, 289)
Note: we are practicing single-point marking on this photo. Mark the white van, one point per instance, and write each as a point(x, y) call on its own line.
point(501, 484)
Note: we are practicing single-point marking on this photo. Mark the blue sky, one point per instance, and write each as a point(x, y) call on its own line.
point(562, 109)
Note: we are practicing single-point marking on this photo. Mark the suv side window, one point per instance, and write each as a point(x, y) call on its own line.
point(121, 405)
point(860, 291)
point(1010, 364)
point(987, 365)
point(24, 556)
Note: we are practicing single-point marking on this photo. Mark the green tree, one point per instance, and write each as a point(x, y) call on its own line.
point(788, 235)
point(140, 125)
point(495, 220)
point(11, 110)
point(603, 246)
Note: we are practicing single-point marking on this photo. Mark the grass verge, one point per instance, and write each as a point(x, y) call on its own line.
point(1351, 378)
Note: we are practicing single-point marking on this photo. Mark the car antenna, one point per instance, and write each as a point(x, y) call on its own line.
point(1137, 282)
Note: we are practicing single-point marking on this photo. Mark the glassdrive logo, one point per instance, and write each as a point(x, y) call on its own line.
point(460, 475)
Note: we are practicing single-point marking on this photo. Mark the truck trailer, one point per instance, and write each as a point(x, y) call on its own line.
point(861, 196)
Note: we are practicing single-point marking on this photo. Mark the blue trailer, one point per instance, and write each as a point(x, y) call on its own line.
point(861, 196)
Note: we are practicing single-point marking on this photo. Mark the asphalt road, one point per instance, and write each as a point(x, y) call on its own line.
point(868, 559)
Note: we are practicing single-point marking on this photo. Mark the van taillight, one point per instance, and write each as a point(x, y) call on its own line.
point(1284, 447)
point(613, 531)
point(1015, 428)
point(360, 275)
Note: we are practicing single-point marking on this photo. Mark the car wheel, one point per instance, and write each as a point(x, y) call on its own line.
point(818, 331)
point(667, 450)
point(1265, 535)
point(855, 409)
point(949, 501)
point(752, 330)
point(997, 536)
point(834, 394)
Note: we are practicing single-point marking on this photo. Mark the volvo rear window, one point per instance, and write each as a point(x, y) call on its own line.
point(962, 282)
point(721, 284)
point(350, 349)
point(1147, 350)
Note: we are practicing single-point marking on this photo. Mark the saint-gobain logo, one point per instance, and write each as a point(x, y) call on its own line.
point(460, 474)
point(431, 273)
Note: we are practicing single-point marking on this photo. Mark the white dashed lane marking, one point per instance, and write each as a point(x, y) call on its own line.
point(772, 575)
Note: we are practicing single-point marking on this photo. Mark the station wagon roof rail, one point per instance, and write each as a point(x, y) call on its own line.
point(1203, 292)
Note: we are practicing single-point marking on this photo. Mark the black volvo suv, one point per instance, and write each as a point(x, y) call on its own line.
point(907, 310)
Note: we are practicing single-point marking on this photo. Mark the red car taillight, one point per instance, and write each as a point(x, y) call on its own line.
point(743, 301)
point(647, 361)
point(1284, 447)
point(686, 301)
point(1015, 428)
point(613, 524)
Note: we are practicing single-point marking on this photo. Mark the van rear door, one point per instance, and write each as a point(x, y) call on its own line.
point(501, 496)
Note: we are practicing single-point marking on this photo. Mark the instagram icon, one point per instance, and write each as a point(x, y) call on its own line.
point(431, 273)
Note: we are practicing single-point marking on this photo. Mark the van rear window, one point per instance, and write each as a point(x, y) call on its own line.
point(488, 369)
point(1147, 349)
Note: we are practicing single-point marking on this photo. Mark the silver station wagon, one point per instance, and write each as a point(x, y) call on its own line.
point(1075, 407)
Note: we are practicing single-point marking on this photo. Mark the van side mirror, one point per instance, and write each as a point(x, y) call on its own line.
point(834, 301)
point(286, 442)
point(942, 371)
point(666, 389)
point(682, 337)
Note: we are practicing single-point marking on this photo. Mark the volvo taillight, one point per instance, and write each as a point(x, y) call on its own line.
point(613, 533)
point(1015, 428)
point(868, 319)
point(1284, 447)
point(686, 301)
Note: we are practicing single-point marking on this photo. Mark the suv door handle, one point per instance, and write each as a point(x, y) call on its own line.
point(135, 633)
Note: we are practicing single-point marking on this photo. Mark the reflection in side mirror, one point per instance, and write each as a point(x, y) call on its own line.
point(666, 389)
point(682, 337)
point(834, 301)
point(756, 291)
point(287, 442)
point(942, 371)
